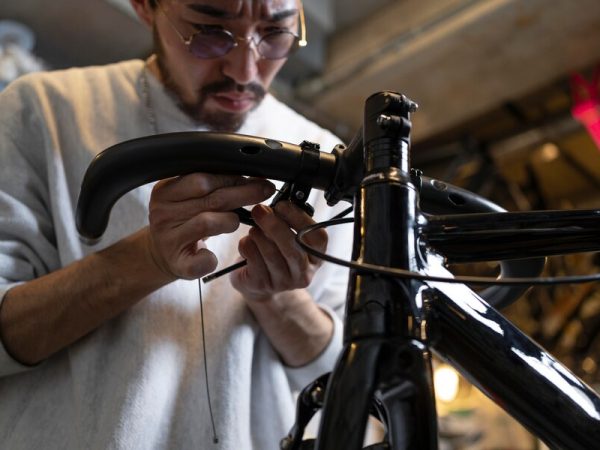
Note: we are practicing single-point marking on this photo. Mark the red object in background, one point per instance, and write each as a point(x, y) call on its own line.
point(586, 103)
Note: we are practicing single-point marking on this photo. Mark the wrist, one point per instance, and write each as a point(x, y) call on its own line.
point(296, 326)
point(156, 265)
point(139, 273)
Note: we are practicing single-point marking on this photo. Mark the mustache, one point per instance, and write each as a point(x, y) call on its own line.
point(227, 85)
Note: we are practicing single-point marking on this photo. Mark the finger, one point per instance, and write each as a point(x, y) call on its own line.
point(226, 199)
point(296, 218)
point(206, 224)
point(195, 264)
point(196, 185)
point(193, 185)
point(276, 264)
point(254, 274)
point(280, 234)
point(229, 198)
point(173, 213)
point(222, 199)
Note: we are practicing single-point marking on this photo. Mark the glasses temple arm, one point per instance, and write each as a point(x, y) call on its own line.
point(303, 42)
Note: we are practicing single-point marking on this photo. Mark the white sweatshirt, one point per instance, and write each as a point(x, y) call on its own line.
point(137, 382)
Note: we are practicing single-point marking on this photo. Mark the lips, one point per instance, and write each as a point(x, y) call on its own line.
point(234, 101)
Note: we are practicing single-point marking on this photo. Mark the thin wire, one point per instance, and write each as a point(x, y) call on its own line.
point(154, 125)
point(343, 213)
point(210, 410)
point(400, 273)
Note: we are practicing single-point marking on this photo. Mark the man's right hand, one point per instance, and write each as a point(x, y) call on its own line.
point(186, 210)
point(46, 314)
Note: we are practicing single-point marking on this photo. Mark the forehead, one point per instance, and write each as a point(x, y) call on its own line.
point(231, 9)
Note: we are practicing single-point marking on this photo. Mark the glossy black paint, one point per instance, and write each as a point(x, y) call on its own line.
point(511, 369)
point(512, 235)
point(394, 372)
point(381, 359)
point(378, 306)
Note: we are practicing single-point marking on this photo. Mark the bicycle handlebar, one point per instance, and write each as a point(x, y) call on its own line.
point(133, 163)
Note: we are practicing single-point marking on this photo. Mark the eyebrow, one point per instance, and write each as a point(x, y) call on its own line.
point(218, 13)
point(212, 11)
point(280, 15)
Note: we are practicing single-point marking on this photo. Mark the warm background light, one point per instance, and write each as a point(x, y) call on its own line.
point(445, 380)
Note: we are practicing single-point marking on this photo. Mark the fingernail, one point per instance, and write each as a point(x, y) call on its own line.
point(261, 211)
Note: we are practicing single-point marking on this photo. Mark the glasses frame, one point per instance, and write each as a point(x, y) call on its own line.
point(300, 40)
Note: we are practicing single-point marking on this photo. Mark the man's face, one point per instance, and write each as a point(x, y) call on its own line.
point(219, 92)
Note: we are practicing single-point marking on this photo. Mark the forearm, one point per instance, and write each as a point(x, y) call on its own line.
point(45, 315)
point(296, 327)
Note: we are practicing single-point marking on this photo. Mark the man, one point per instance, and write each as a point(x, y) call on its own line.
point(102, 347)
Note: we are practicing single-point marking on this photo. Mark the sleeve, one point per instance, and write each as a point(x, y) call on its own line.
point(27, 240)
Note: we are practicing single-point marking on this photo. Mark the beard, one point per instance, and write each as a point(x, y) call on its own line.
point(197, 111)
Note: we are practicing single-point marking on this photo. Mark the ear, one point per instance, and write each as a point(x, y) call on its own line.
point(144, 11)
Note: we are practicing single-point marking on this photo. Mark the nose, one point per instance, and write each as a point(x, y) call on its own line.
point(241, 63)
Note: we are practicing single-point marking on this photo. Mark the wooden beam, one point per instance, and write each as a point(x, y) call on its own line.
point(457, 58)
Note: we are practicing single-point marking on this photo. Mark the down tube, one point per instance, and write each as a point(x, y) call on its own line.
point(513, 370)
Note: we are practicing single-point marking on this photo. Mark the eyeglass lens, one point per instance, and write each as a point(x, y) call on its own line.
point(214, 43)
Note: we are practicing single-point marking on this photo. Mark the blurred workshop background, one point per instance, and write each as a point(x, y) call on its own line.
point(509, 108)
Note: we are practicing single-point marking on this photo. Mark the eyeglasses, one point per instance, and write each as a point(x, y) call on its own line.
point(213, 42)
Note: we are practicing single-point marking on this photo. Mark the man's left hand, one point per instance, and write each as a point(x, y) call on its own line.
point(276, 262)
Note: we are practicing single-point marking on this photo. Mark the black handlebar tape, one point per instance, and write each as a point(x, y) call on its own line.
point(133, 163)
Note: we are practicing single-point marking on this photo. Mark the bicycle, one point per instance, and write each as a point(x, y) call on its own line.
point(402, 302)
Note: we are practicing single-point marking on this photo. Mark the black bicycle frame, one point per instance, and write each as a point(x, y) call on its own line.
point(392, 324)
